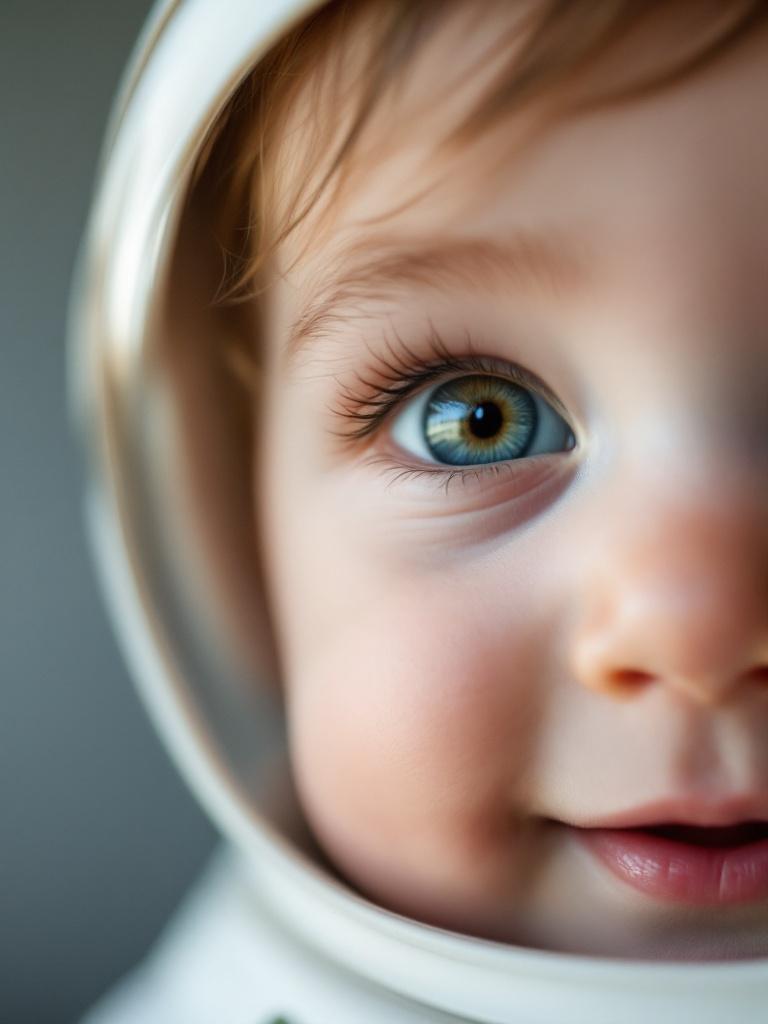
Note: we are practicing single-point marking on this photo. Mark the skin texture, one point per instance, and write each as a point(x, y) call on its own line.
point(466, 664)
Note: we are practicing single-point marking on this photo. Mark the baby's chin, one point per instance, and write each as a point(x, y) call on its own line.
point(669, 940)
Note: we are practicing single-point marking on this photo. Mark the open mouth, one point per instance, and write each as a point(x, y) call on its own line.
point(731, 835)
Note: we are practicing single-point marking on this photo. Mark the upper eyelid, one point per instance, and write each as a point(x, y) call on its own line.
point(370, 412)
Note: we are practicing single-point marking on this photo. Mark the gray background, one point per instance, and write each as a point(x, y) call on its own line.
point(99, 839)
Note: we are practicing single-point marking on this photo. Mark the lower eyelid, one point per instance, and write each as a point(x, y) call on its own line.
point(478, 478)
point(461, 508)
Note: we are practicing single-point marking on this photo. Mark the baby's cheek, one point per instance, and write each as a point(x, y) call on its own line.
point(410, 734)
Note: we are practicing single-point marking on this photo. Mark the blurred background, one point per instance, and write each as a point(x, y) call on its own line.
point(99, 837)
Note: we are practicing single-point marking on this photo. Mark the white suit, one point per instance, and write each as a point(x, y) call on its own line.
point(270, 931)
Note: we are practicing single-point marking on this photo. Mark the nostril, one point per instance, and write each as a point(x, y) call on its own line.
point(628, 679)
point(758, 675)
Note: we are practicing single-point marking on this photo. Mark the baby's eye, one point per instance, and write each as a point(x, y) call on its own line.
point(480, 418)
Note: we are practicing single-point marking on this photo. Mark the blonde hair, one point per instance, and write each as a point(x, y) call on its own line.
point(561, 38)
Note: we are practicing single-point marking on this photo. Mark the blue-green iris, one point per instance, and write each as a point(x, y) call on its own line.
point(477, 419)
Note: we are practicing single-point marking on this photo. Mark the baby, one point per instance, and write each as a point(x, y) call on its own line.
point(510, 329)
point(502, 306)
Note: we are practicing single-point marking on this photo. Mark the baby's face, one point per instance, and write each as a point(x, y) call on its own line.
point(513, 475)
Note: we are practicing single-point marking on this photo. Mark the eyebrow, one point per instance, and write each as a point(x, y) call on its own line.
point(372, 270)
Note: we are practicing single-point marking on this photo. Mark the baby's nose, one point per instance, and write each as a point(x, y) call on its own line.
point(678, 596)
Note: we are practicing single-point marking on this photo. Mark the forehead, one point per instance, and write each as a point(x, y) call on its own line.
point(682, 170)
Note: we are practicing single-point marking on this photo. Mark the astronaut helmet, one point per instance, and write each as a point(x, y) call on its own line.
point(169, 511)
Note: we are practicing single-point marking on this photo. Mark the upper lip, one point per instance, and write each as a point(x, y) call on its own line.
point(690, 810)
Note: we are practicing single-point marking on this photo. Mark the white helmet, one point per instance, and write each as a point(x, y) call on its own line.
point(170, 521)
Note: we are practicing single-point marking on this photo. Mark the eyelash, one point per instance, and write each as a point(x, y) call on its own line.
point(393, 378)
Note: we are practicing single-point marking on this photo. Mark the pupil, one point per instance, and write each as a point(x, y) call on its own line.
point(485, 420)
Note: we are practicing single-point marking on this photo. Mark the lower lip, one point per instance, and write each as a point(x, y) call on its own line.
point(681, 872)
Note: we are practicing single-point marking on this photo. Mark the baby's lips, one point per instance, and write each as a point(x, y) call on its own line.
point(686, 850)
point(684, 871)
